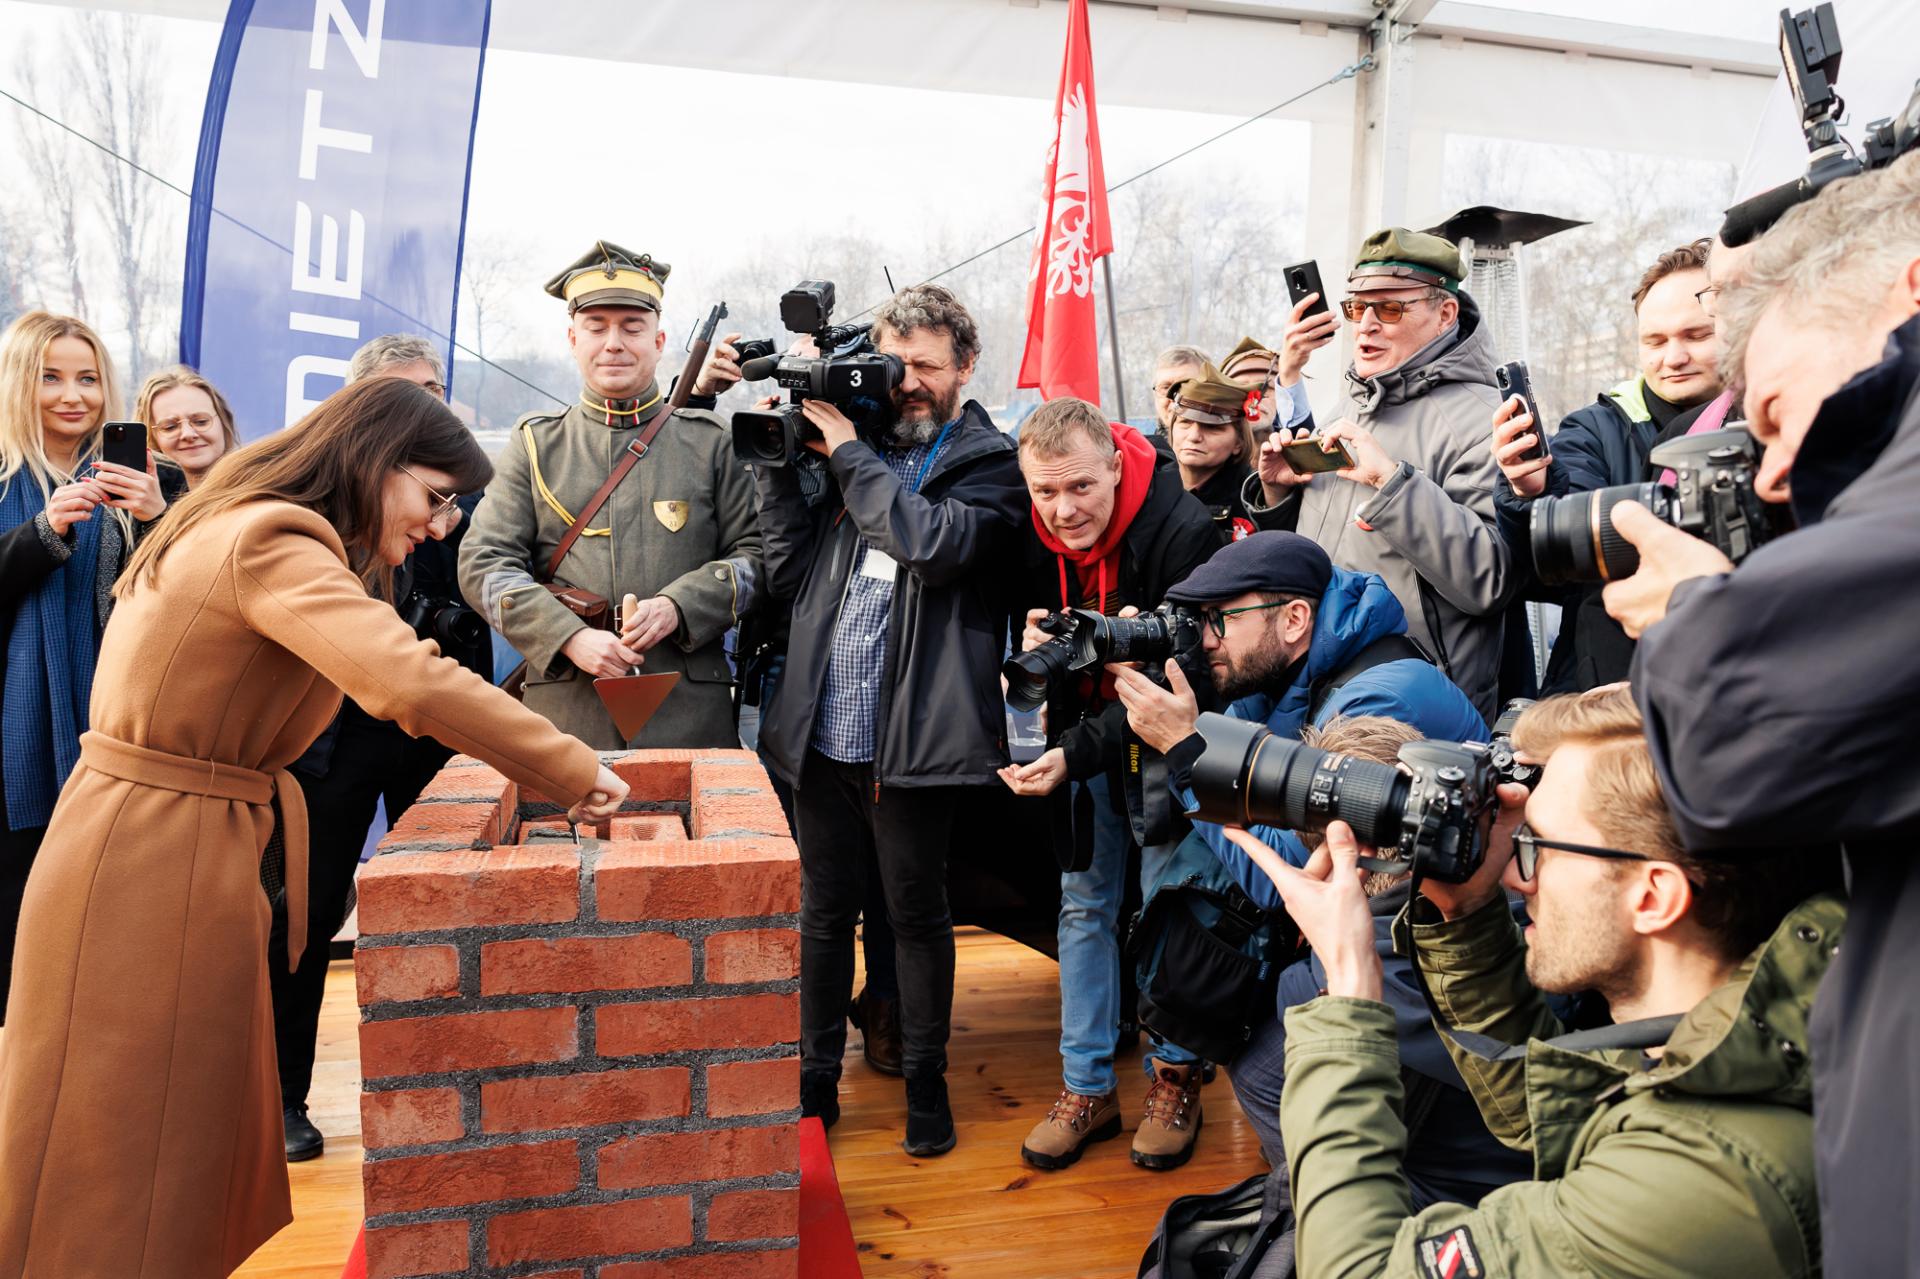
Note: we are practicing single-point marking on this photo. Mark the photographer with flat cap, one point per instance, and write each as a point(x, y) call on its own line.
point(1416, 504)
point(677, 531)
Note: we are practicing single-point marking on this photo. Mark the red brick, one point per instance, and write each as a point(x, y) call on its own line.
point(653, 779)
point(582, 1101)
point(719, 814)
point(726, 774)
point(396, 974)
point(753, 954)
point(717, 879)
point(414, 1182)
point(410, 1117)
point(465, 779)
point(670, 1158)
point(782, 1263)
point(752, 1087)
point(647, 826)
point(676, 1025)
point(467, 1041)
point(563, 964)
point(460, 824)
point(419, 892)
point(431, 1248)
point(590, 1230)
point(754, 1214)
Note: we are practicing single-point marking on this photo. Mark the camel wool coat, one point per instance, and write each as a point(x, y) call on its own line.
point(140, 1127)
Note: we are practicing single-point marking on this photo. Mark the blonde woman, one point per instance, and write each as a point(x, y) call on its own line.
point(188, 420)
point(67, 522)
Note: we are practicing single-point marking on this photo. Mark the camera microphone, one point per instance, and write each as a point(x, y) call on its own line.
point(1756, 215)
point(759, 368)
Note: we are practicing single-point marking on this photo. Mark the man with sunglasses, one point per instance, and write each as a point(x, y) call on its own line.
point(1416, 504)
point(1687, 1152)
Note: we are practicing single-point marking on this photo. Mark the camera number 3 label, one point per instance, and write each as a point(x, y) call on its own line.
point(879, 566)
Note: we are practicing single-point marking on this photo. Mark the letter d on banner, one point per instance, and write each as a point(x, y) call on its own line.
point(330, 193)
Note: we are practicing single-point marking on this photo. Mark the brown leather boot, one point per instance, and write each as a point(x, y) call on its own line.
point(1170, 1120)
point(1074, 1123)
point(879, 1023)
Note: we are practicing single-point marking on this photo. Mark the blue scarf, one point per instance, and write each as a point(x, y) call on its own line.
point(50, 657)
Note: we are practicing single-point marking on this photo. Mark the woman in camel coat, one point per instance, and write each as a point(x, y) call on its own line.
point(140, 1130)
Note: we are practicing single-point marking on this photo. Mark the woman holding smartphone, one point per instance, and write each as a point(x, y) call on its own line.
point(67, 524)
point(140, 1129)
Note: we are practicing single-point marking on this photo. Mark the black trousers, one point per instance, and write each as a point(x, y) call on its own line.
point(373, 761)
point(844, 829)
point(18, 848)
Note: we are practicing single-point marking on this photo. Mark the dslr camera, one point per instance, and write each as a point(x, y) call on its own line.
point(460, 632)
point(1711, 497)
point(1505, 766)
point(1430, 814)
point(848, 373)
point(1084, 640)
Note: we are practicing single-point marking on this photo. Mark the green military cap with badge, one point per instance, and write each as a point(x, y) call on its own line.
point(1212, 397)
point(1397, 258)
point(608, 275)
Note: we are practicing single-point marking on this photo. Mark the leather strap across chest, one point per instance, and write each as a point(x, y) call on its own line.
point(630, 457)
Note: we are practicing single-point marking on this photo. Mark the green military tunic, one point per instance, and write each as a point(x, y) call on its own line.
point(681, 525)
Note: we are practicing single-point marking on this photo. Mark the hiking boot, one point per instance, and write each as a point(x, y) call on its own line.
point(820, 1097)
point(1075, 1122)
point(303, 1139)
point(929, 1120)
point(1170, 1120)
point(879, 1023)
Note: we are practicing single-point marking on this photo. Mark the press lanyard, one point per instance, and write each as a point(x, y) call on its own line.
point(927, 465)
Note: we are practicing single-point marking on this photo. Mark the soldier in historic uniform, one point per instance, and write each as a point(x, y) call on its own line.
point(679, 531)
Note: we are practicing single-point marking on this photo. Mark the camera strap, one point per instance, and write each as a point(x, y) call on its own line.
point(635, 450)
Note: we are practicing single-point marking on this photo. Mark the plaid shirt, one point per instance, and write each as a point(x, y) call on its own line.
point(845, 726)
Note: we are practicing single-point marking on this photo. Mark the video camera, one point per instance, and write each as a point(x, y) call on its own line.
point(1712, 497)
point(1810, 52)
point(1083, 640)
point(848, 373)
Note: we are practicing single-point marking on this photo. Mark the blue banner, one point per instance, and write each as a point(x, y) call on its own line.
point(330, 192)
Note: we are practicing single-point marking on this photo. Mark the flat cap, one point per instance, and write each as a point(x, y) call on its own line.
point(1211, 397)
point(1397, 258)
point(1250, 357)
point(1272, 563)
point(608, 275)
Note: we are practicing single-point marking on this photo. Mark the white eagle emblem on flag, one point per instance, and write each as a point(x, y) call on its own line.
point(1068, 237)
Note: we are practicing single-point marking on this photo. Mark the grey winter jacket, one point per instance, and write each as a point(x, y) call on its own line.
point(1434, 520)
point(942, 716)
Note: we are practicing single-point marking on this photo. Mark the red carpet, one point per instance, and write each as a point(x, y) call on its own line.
point(826, 1240)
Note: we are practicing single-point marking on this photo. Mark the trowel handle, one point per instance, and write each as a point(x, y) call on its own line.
point(629, 605)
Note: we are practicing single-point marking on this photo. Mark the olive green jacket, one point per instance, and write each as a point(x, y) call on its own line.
point(681, 524)
point(1700, 1166)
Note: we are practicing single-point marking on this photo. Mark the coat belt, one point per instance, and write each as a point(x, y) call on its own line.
point(144, 766)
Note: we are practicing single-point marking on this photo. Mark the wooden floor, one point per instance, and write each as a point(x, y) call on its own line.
point(975, 1213)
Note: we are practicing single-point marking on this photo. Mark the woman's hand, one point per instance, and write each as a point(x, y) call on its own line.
point(73, 504)
point(1327, 899)
point(603, 801)
point(135, 491)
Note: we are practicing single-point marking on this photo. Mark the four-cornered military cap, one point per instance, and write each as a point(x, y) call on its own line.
point(1397, 258)
point(1273, 563)
point(608, 275)
point(1212, 397)
point(1250, 358)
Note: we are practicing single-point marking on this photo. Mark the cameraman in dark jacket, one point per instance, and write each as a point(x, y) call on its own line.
point(1781, 697)
point(1112, 528)
point(890, 706)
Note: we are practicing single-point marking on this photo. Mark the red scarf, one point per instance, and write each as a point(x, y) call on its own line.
point(1098, 565)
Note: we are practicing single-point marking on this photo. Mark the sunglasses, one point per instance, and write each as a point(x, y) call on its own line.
point(1389, 310)
point(1527, 846)
point(443, 504)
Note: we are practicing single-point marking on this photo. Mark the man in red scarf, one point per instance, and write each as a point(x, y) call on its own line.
point(1112, 528)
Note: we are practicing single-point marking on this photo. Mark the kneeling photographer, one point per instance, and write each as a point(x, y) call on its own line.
point(1112, 529)
point(1781, 696)
point(1677, 1142)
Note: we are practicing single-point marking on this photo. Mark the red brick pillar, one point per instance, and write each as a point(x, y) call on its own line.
point(584, 1058)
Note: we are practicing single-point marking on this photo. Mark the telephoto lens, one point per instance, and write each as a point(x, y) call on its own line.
point(1574, 539)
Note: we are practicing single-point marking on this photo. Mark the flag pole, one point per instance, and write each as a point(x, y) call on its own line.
point(1113, 336)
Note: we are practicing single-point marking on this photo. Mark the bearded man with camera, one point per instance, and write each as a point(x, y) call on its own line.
point(890, 705)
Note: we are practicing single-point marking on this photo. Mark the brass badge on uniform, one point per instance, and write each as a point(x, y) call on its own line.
point(671, 514)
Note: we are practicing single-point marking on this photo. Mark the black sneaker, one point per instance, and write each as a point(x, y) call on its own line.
point(820, 1097)
point(929, 1119)
point(303, 1139)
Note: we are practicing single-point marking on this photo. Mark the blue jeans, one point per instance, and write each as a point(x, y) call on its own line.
point(1090, 953)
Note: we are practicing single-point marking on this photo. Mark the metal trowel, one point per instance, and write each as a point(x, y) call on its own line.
point(633, 698)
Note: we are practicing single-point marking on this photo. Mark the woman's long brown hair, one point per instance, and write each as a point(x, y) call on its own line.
point(334, 461)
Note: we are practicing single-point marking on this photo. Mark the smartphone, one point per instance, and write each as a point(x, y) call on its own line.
point(124, 444)
point(1512, 380)
point(1308, 458)
point(1304, 278)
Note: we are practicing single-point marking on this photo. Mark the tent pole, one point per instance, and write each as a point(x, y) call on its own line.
point(1113, 337)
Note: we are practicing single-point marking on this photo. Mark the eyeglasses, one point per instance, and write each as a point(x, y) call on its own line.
point(1527, 846)
point(173, 425)
point(1389, 310)
point(1216, 618)
point(1707, 297)
point(443, 505)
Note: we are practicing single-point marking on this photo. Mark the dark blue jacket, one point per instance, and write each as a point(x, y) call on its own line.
point(1356, 610)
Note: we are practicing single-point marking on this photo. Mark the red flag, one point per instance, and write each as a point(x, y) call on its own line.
point(1063, 355)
